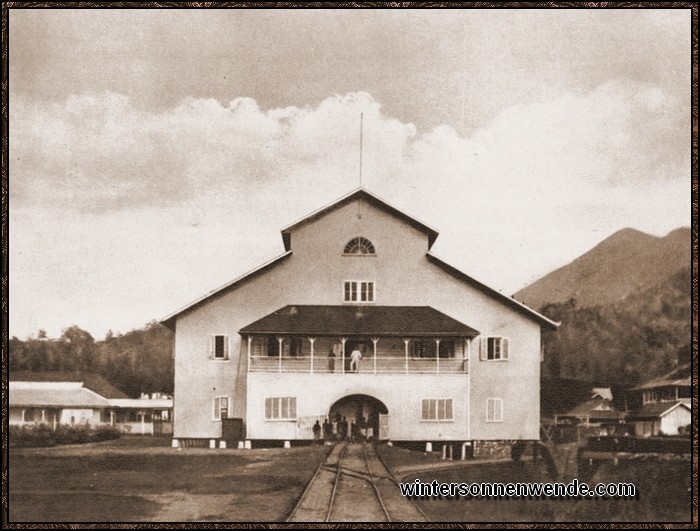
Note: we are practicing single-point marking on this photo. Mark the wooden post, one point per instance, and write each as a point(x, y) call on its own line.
point(375, 340)
point(437, 355)
point(342, 355)
point(467, 353)
point(405, 343)
point(280, 340)
point(23, 417)
point(250, 340)
point(312, 340)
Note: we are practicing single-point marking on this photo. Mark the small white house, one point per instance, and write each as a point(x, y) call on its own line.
point(42, 401)
point(55, 403)
point(661, 418)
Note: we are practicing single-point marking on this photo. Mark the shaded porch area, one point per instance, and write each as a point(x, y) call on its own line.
point(327, 339)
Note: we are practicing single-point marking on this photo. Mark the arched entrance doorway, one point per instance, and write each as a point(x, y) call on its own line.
point(366, 417)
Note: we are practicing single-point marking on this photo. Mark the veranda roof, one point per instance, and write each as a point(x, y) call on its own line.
point(368, 321)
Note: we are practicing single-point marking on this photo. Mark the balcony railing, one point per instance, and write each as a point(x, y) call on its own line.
point(368, 365)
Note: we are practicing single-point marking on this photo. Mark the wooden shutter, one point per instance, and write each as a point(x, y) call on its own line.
point(211, 346)
point(505, 345)
point(483, 348)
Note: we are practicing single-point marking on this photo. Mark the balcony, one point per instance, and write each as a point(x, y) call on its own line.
point(371, 365)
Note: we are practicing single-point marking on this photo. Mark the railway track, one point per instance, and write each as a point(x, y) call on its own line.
point(354, 484)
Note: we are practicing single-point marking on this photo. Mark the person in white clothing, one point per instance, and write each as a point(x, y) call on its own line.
point(355, 358)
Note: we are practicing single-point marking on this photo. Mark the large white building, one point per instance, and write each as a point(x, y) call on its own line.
point(444, 357)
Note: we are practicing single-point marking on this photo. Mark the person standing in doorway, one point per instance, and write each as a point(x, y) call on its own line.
point(317, 433)
point(327, 431)
point(344, 429)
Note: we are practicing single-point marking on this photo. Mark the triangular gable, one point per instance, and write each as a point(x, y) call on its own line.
point(359, 193)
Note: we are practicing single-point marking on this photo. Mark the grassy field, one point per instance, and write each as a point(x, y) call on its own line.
point(141, 479)
point(663, 485)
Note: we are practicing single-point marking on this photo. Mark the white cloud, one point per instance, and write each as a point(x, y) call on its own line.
point(120, 214)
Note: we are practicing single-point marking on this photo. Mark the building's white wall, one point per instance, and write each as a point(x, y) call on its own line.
point(314, 274)
point(80, 416)
point(316, 393)
point(675, 419)
point(15, 416)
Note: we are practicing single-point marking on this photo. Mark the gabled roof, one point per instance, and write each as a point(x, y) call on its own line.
point(362, 193)
point(91, 381)
point(49, 394)
point(602, 392)
point(359, 193)
point(594, 408)
point(169, 321)
point(508, 301)
point(367, 321)
point(657, 410)
point(675, 378)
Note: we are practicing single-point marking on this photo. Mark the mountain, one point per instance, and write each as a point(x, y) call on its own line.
point(627, 342)
point(626, 263)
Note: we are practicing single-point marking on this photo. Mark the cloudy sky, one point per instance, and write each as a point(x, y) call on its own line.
point(155, 154)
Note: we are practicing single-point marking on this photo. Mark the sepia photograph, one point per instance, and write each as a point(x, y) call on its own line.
point(367, 263)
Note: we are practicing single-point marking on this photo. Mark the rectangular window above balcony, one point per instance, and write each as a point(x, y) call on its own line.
point(358, 291)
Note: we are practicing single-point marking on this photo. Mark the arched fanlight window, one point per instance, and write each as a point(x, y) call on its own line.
point(359, 246)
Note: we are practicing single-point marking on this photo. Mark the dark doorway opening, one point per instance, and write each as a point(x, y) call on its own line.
point(366, 417)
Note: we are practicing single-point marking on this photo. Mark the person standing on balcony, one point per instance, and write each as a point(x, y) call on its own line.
point(331, 358)
point(355, 358)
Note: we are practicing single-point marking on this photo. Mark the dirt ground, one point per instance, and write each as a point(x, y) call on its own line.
point(142, 479)
point(137, 479)
point(663, 486)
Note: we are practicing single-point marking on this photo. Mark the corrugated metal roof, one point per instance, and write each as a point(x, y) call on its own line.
point(656, 410)
point(48, 396)
point(678, 376)
point(680, 382)
point(360, 320)
point(92, 381)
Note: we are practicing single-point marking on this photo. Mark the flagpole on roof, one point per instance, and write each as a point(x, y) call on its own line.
point(361, 120)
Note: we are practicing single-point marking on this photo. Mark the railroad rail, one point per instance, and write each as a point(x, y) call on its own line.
point(354, 484)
